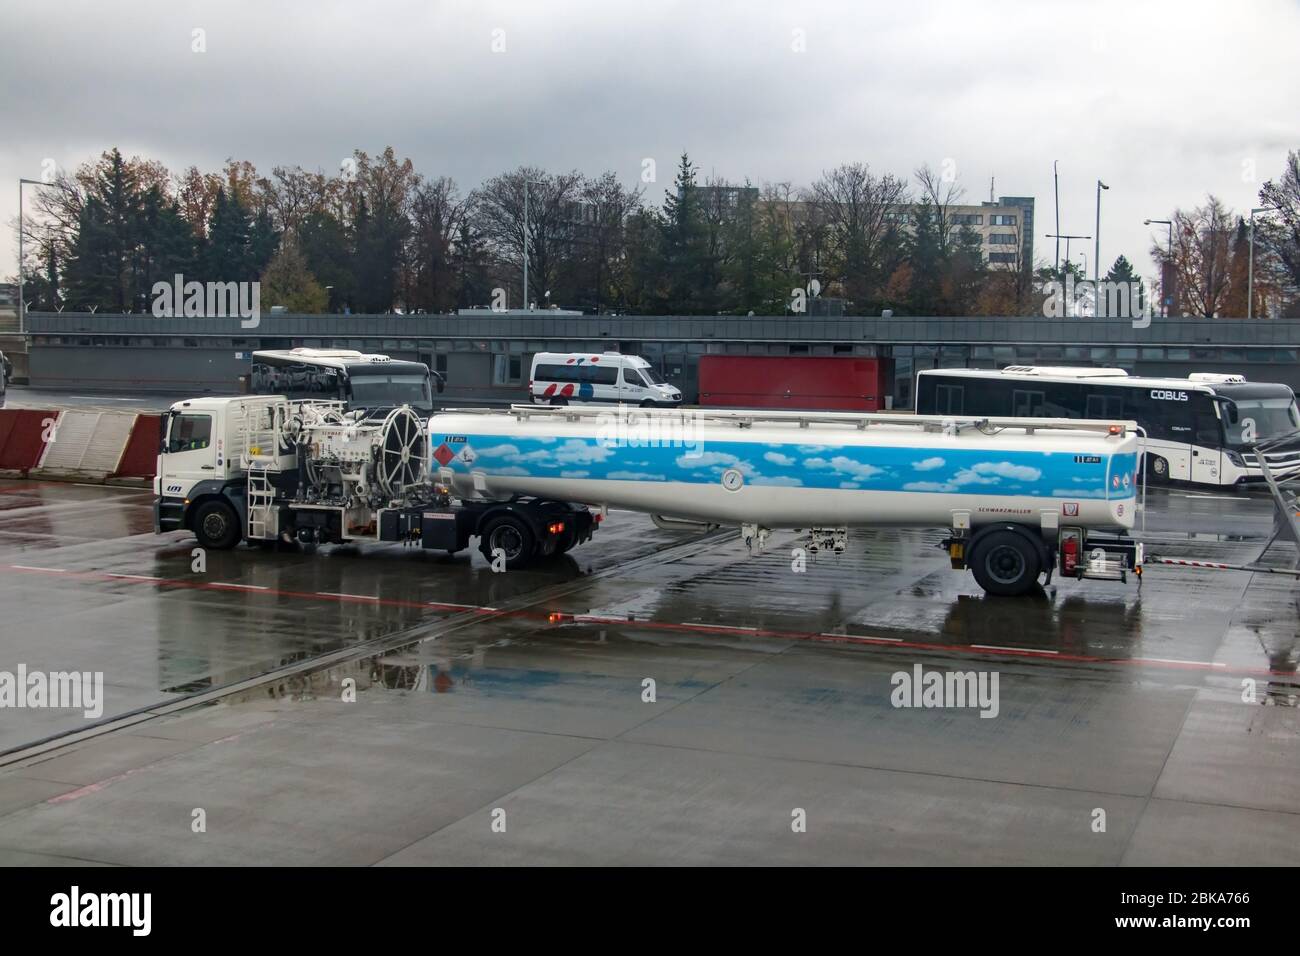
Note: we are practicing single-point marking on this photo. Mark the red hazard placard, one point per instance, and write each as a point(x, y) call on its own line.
point(442, 454)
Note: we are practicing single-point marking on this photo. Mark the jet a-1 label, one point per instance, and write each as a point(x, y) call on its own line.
point(1087, 459)
point(454, 439)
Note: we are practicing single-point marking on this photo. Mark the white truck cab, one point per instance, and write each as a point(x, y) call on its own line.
point(584, 378)
point(200, 453)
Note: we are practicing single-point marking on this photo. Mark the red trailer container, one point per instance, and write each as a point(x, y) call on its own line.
point(794, 382)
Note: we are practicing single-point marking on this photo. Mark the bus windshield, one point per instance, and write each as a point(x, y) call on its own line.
point(652, 377)
point(374, 391)
point(1271, 418)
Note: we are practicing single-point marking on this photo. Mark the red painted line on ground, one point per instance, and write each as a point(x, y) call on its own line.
point(560, 618)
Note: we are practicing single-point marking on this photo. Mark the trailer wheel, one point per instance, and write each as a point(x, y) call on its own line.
point(1005, 563)
point(217, 526)
point(513, 536)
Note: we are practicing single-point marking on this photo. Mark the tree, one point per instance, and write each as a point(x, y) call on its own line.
point(288, 282)
point(859, 210)
point(1200, 257)
point(167, 244)
point(225, 257)
point(1279, 233)
point(323, 242)
point(684, 245)
point(437, 214)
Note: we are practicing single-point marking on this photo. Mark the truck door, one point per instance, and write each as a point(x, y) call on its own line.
point(188, 453)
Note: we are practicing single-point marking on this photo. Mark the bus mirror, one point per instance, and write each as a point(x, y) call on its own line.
point(442, 382)
point(1233, 416)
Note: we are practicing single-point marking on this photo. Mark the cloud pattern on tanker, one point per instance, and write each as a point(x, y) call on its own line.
point(923, 470)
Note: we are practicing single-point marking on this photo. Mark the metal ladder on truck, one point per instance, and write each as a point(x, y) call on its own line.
point(260, 430)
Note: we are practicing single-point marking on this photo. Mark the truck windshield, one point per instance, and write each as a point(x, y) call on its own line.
point(374, 391)
point(1271, 418)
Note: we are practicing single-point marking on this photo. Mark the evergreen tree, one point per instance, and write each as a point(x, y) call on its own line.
point(226, 256)
point(324, 244)
point(166, 242)
point(684, 244)
point(288, 282)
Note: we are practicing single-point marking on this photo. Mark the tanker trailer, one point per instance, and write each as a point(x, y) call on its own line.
point(1020, 498)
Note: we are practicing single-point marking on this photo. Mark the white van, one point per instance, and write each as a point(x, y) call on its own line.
point(580, 378)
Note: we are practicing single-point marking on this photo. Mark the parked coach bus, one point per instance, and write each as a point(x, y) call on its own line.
point(360, 380)
point(1197, 427)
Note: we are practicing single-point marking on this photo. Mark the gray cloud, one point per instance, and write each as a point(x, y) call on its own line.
point(1164, 101)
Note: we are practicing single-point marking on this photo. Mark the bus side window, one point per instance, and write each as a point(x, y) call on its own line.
point(1026, 403)
point(1105, 406)
point(948, 400)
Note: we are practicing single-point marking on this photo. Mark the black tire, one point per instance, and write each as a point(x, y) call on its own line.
point(1006, 563)
point(512, 535)
point(1157, 468)
point(648, 403)
point(558, 401)
point(216, 525)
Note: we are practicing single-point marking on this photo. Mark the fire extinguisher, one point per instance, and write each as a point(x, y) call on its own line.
point(1069, 554)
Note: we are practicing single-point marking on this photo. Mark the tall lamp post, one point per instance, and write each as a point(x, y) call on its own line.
point(1250, 268)
point(22, 311)
point(1169, 258)
point(1096, 249)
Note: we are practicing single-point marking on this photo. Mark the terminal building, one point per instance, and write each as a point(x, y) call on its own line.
point(485, 357)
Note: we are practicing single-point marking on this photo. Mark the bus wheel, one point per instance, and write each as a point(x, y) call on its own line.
point(512, 536)
point(1005, 563)
point(217, 526)
point(559, 401)
point(648, 403)
point(1158, 468)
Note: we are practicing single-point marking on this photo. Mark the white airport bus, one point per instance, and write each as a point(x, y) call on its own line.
point(1199, 428)
point(358, 379)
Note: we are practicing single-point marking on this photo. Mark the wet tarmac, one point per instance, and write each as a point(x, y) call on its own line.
point(653, 697)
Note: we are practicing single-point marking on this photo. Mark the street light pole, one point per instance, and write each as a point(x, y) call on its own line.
point(1056, 188)
point(1250, 268)
point(1169, 259)
point(1096, 249)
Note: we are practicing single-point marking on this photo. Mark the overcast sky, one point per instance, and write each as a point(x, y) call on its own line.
point(1163, 101)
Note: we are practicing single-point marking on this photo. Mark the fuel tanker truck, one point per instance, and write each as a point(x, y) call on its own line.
point(1019, 498)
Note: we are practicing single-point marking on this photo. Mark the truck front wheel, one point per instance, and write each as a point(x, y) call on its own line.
point(216, 525)
point(1005, 563)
